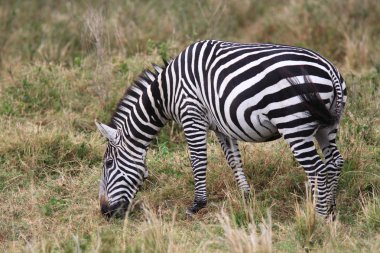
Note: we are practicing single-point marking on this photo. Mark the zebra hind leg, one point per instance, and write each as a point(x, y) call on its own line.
point(326, 138)
point(231, 151)
point(304, 150)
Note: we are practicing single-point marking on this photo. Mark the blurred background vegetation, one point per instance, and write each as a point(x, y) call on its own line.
point(61, 31)
point(65, 63)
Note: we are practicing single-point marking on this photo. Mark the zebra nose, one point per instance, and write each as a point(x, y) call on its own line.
point(117, 210)
point(104, 206)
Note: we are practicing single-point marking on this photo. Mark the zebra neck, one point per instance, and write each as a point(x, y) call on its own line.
point(142, 122)
point(140, 114)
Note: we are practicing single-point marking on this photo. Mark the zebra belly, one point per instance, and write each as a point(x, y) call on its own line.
point(258, 129)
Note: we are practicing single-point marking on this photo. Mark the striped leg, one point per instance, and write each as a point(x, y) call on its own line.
point(232, 153)
point(304, 151)
point(196, 135)
point(334, 163)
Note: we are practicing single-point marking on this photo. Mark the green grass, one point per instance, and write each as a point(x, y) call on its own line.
point(58, 74)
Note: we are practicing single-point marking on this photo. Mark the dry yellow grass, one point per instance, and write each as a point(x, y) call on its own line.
point(69, 64)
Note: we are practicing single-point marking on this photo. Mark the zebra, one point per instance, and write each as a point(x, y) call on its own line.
point(242, 92)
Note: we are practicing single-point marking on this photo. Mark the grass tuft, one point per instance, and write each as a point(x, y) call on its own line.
point(248, 239)
point(307, 223)
point(371, 212)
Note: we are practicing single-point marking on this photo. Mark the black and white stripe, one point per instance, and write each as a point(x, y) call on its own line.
point(247, 92)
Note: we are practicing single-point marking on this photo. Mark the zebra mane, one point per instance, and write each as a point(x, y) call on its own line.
point(134, 91)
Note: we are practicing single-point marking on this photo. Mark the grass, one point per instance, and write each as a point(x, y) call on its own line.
point(70, 64)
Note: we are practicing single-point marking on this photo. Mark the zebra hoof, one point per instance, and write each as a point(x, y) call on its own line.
point(197, 205)
point(331, 215)
point(189, 214)
point(330, 218)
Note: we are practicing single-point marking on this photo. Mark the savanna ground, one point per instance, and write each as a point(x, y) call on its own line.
point(64, 64)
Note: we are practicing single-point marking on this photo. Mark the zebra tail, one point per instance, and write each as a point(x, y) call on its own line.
point(313, 102)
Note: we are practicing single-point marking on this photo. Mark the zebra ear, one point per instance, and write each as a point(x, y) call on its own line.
point(108, 132)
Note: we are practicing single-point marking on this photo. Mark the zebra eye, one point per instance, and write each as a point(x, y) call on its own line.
point(109, 163)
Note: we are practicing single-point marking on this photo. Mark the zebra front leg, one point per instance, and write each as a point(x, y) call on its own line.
point(197, 143)
point(232, 153)
point(306, 154)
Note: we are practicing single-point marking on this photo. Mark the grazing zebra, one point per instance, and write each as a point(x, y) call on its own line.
point(247, 92)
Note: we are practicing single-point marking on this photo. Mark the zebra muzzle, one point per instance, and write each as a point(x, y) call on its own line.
point(117, 210)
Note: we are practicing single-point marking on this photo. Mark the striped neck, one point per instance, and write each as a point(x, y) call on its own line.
point(138, 115)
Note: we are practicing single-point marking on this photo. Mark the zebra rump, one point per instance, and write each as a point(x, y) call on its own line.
point(313, 102)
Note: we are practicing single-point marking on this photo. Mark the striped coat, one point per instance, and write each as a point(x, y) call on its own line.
point(246, 92)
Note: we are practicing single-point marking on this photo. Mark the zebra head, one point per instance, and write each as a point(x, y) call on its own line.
point(120, 178)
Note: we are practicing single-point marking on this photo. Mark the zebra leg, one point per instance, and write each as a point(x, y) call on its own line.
point(231, 151)
point(197, 142)
point(326, 138)
point(302, 146)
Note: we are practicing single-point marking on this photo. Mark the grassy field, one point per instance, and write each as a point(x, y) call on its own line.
point(64, 64)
